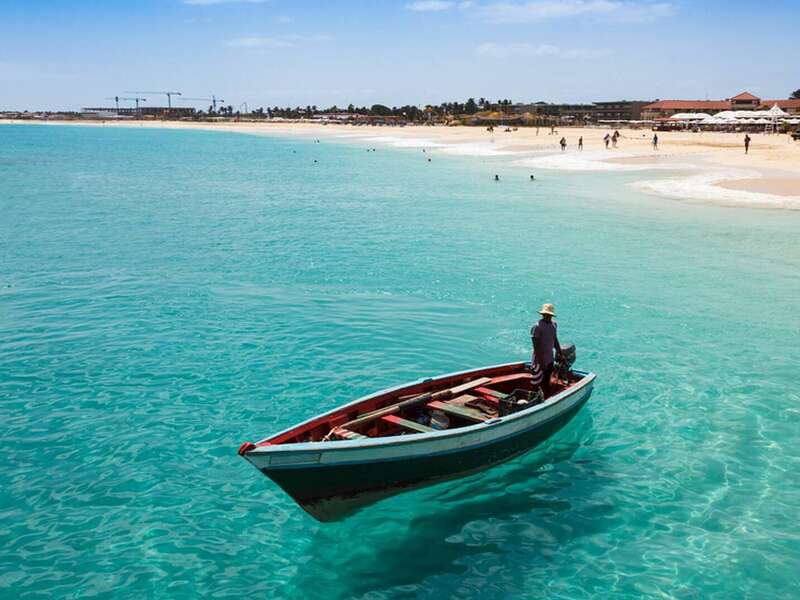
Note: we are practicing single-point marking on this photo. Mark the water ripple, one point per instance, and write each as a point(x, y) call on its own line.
point(158, 308)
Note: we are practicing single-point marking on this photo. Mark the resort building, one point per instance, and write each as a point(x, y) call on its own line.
point(575, 112)
point(663, 109)
point(619, 110)
point(616, 110)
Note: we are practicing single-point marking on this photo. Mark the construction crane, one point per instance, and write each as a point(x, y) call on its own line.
point(169, 95)
point(116, 102)
point(137, 100)
point(213, 101)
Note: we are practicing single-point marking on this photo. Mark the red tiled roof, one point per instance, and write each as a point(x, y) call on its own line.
point(688, 105)
point(767, 104)
point(745, 96)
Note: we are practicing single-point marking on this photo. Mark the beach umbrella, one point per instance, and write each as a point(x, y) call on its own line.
point(776, 111)
point(689, 116)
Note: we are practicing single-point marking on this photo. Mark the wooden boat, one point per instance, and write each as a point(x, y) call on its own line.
point(388, 442)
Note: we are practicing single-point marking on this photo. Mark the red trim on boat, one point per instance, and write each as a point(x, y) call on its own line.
point(245, 448)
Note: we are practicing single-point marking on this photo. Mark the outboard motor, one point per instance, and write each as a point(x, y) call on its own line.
point(564, 362)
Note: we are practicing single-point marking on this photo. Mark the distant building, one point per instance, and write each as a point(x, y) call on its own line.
point(663, 109)
point(616, 110)
point(619, 110)
point(745, 101)
point(176, 112)
point(103, 113)
point(576, 112)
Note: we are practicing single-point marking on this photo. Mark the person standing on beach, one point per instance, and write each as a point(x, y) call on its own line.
point(544, 339)
point(605, 139)
point(655, 141)
point(614, 139)
point(580, 143)
point(563, 143)
point(746, 143)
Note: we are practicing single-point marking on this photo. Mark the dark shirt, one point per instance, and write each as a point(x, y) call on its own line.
point(545, 340)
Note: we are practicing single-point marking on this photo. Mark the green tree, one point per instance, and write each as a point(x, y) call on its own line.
point(795, 95)
point(380, 110)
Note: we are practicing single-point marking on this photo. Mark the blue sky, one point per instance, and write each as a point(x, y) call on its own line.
point(61, 54)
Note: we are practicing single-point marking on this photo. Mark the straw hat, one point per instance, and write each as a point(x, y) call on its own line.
point(548, 309)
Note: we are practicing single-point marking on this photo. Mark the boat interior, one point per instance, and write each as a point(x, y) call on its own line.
point(432, 405)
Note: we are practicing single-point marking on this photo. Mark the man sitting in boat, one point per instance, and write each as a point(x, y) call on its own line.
point(545, 340)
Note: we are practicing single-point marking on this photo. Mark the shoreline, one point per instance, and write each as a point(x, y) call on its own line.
point(713, 166)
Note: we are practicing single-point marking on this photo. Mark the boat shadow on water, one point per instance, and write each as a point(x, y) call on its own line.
point(539, 500)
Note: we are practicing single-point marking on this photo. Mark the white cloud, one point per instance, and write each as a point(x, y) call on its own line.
point(523, 49)
point(210, 2)
point(642, 13)
point(281, 41)
point(540, 10)
point(430, 5)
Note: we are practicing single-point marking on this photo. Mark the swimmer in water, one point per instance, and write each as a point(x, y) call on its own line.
point(533, 178)
point(497, 177)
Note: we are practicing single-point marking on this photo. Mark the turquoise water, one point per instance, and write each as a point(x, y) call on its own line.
point(165, 296)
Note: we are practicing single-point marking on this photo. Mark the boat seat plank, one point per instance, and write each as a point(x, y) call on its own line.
point(463, 399)
point(470, 385)
point(464, 412)
point(427, 396)
point(513, 377)
point(405, 423)
point(490, 392)
point(348, 435)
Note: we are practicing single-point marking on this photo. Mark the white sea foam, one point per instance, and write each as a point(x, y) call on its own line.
point(476, 149)
point(464, 149)
point(593, 161)
point(402, 142)
point(704, 187)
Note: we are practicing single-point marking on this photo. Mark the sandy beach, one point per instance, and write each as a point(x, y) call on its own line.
point(713, 166)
